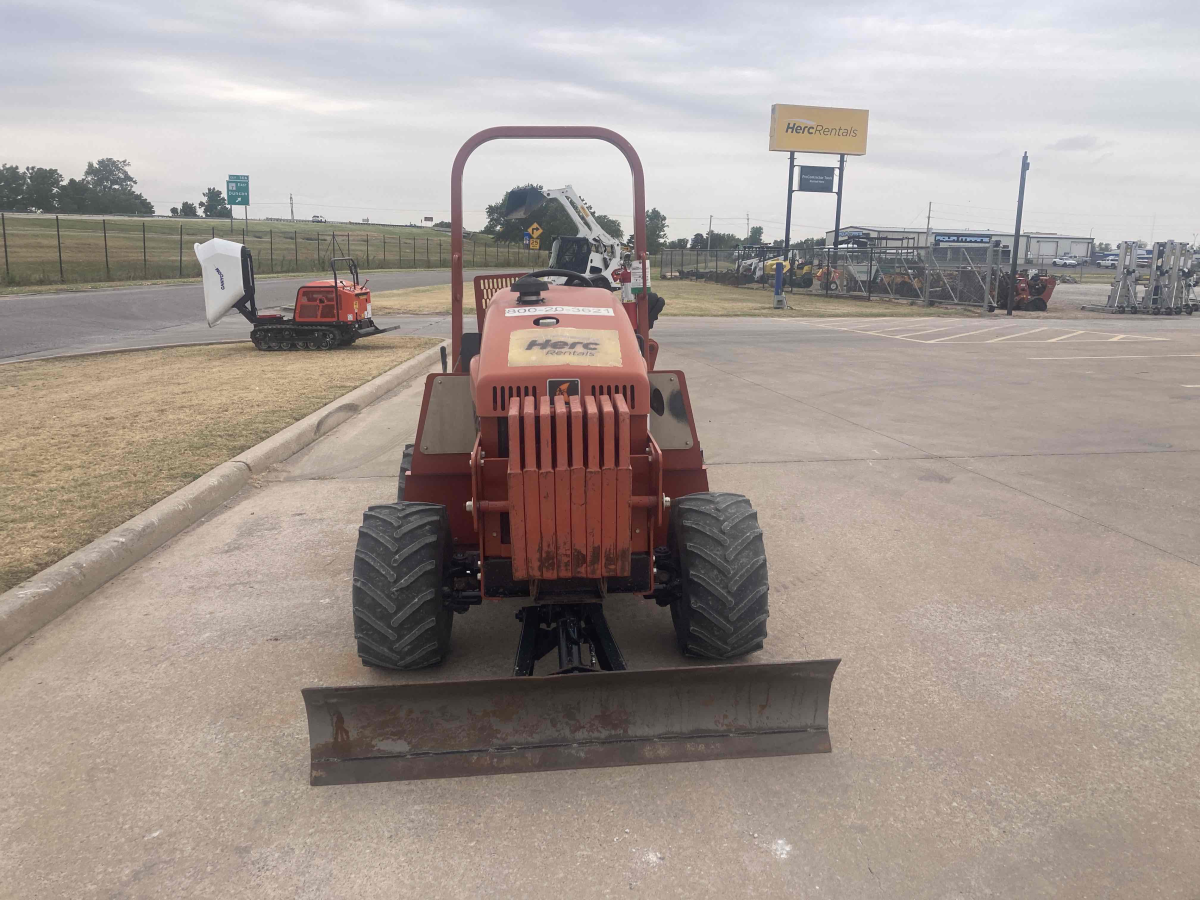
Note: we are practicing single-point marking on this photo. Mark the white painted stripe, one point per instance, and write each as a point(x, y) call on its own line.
point(951, 337)
point(1014, 334)
point(1063, 337)
point(1149, 356)
point(926, 331)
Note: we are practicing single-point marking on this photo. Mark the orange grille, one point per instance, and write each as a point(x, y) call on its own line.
point(569, 486)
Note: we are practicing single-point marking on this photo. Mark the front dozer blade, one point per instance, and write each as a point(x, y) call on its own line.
point(541, 723)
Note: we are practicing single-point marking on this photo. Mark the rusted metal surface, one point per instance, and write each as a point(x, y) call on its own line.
point(507, 725)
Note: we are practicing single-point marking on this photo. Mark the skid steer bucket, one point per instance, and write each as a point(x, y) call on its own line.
point(541, 723)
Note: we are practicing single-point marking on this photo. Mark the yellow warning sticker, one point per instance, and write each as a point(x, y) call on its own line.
point(564, 347)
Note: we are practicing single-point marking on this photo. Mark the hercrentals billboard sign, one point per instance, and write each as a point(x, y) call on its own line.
point(818, 129)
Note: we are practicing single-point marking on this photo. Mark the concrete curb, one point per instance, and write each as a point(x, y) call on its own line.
point(46, 596)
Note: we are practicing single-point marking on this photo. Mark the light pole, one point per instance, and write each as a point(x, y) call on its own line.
point(1012, 269)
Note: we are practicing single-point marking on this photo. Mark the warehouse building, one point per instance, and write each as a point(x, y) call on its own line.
point(1036, 248)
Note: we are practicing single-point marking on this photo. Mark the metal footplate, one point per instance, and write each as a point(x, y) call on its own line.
point(542, 723)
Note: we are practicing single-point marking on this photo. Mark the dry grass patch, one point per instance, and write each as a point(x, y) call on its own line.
point(89, 442)
point(684, 298)
point(426, 300)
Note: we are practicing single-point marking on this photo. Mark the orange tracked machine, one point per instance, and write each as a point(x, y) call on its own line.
point(557, 471)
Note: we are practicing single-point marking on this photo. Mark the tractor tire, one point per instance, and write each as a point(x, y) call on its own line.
point(720, 609)
point(654, 307)
point(405, 465)
point(401, 566)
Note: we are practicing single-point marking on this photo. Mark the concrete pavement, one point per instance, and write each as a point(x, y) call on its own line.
point(997, 537)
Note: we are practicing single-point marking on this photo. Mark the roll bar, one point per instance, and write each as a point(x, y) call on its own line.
point(539, 132)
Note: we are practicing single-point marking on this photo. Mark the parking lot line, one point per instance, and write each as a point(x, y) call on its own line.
point(1144, 356)
point(968, 334)
point(1015, 334)
point(1063, 337)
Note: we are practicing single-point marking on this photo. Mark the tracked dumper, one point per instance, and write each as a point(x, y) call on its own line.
point(327, 314)
point(557, 472)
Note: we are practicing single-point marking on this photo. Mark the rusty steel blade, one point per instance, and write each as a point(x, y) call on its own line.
point(541, 723)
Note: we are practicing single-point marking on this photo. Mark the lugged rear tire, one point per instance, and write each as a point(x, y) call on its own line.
point(720, 610)
point(401, 565)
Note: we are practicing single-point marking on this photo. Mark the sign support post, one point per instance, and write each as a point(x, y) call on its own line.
point(787, 221)
point(837, 221)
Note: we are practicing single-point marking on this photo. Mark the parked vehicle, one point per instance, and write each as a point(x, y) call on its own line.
point(1068, 262)
point(1107, 262)
point(318, 220)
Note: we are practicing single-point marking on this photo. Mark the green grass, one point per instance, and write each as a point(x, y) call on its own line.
point(157, 249)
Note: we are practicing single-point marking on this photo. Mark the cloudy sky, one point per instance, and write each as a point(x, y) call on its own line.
point(357, 108)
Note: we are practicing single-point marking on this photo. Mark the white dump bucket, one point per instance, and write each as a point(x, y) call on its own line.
point(221, 264)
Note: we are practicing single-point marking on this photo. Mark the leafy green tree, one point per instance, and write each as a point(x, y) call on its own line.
point(656, 230)
point(112, 191)
point(214, 205)
point(756, 235)
point(678, 244)
point(188, 209)
point(13, 186)
point(75, 197)
point(609, 224)
point(42, 187)
point(698, 241)
point(1103, 247)
point(109, 174)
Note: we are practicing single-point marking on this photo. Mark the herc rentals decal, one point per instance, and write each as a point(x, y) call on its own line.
point(563, 347)
point(818, 129)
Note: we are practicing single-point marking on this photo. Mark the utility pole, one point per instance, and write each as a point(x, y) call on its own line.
point(709, 247)
point(1016, 247)
point(747, 224)
point(928, 253)
point(292, 206)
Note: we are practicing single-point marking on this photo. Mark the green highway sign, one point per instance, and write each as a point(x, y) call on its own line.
point(237, 190)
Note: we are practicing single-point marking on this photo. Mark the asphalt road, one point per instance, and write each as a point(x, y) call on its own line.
point(79, 321)
point(993, 523)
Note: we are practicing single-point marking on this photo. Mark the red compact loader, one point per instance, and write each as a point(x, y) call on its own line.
point(557, 471)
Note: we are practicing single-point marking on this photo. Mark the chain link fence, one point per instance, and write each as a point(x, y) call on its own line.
point(48, 249)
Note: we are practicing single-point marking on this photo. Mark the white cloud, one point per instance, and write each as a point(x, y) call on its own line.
point(358, 108)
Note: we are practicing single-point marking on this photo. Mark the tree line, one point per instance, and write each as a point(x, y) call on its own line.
point(106, 188)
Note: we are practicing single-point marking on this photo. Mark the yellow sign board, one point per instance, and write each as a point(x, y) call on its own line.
point(534, 244)
point(564, 347)
point(535, 230)
point(818, 129)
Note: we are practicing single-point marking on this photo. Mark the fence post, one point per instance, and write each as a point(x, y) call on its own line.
point(427, 253)
point(439, 253)
point(58, 234)
point(296, 249)
point(4, 228)
point(399, 251)
point(368, 248)
point(143, 249)
point(271, 232)
point(181, 247)
point(385, 251)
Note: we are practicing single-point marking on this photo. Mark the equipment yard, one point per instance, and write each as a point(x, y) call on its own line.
point(998, 537)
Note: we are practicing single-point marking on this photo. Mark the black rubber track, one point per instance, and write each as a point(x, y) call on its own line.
point(721, 609)
point(405, 465)
point(401, 564)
